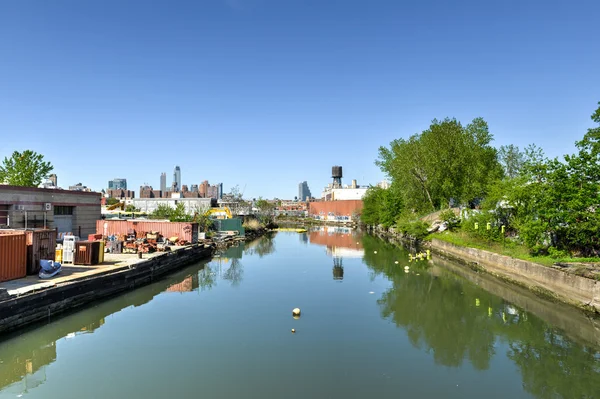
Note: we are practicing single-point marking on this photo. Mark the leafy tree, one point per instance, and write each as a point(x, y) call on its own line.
point(266, 210)
point(554, 204)
point(26, 169)
point(177, 214)
point(372, 203)
point(512, 160)
point(131, 208)
point(445, 164)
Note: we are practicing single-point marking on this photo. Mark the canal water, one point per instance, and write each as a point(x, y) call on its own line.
point(368, 329)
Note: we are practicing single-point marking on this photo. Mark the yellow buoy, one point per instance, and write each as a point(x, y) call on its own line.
point(296, 312)
point(293, 330)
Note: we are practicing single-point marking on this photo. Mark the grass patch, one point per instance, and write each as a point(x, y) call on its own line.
point(509, 248)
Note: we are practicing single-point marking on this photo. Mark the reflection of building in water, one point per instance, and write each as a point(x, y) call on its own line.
point(189, 284)
point(303, 238)
point(339, 243)
point(23, 360)
point(335, 237)
point(341, 252)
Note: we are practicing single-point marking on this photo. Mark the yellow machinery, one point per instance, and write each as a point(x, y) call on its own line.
point(112, 207)
point(219, 213)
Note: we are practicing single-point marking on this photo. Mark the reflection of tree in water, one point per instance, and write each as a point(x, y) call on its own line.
point(457, 320)
point(263, 246)
point(206, 278)
point(234, 273)
point(557, 367)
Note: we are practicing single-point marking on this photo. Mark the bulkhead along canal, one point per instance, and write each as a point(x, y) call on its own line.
point(368, 329)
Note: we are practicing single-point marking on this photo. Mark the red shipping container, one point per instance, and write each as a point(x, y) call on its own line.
point(13, 256)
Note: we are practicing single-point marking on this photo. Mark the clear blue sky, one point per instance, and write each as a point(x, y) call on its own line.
point(266, 93)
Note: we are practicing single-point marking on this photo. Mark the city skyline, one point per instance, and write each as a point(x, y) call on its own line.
point(267, 84)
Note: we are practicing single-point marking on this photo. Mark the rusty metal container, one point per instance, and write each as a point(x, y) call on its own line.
point(183, 230)
point(87, 252)
point(40, 245)
point(13, 256)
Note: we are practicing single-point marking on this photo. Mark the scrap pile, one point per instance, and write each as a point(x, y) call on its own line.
point(144, 242)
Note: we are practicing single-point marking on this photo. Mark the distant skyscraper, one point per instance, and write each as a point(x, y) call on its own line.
point(117, 184)
point(204, 189)
point(177, 178)
point(219, 190)
point(163, 182)
point(303, 191)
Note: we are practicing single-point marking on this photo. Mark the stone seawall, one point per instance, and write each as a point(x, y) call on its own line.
point(16, 312)
point(575, 290)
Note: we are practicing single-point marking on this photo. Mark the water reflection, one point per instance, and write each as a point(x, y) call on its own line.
point(339, 243)
point(457, 321)
point(262, 246)
point(25, 355)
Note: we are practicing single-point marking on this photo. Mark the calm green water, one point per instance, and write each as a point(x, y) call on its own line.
point(368, 330)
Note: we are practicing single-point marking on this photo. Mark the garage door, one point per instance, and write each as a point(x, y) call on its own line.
point(64, 223)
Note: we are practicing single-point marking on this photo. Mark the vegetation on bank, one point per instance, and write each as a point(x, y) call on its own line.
point(520, 202)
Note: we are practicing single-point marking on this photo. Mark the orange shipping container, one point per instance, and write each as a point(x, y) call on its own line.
point(13, 256)
point(40, 245)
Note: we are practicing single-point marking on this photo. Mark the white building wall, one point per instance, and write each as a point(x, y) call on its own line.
point(339, 194)
point(149, 205)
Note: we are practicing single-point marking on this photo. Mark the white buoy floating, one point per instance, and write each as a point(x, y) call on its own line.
point(293, 330)
point(296, 312)
point(374, 252)
point(396, 262)
point(406, 267)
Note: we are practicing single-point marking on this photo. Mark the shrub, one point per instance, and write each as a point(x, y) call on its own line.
point(449, 217)
point(416, 229)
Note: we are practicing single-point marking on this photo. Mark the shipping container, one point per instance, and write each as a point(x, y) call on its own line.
point(87, 252)
point(183, 230)
point(40, 245)
point(234, 224)
point(13, 256)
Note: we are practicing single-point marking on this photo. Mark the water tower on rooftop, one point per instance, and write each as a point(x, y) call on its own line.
point(336, 173)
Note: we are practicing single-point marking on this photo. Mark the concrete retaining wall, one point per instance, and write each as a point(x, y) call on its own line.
point(16, 312)
point(579, 291)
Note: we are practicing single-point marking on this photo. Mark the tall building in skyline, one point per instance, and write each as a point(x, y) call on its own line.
point(204, 189)
point(219, 190)
point(54, 179)
point(163, 182)
point(303, 191)
point(177, 178)
point(117, 184)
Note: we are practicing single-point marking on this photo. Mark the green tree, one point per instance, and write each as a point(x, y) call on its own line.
point(445, 164)
point(512, 160)
point(372, 203)
point(131, 208)
point(26, 169)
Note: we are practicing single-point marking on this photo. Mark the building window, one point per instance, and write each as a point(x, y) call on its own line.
point(63, 210)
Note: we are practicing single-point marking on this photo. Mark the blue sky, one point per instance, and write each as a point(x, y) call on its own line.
point(265, 93)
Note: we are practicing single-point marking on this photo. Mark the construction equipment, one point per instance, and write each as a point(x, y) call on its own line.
point(219, 213)
point(112, 207)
